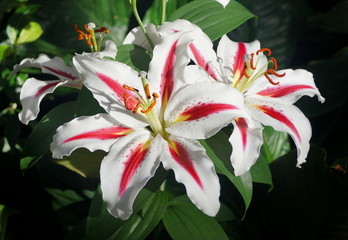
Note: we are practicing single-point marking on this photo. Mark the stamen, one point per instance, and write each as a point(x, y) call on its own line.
point(245, 73)
point(155, 95)
point(87, 28)
point(102, 29)
point(125, 99)
point(269, 52)
point(147, 91)
point(136, 107)
point(83, 35)
point(275, 64)
point(150, 107)
point(130, 88)
point(252, 62)
point(271, 71)
point(270, 79)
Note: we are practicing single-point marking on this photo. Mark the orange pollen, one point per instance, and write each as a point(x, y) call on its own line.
point(269, 52)
point(155, 95)
point(150, 107)
point(83, 35)
point(147, 91)
point(136, 107)
point(102, 29)
point(130, 88)
point(270, 79)
point(252, 62)
point(271, 71)
point(125, 99)
point(275, 64)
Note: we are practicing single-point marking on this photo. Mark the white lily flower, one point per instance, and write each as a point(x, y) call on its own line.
point(150, 121)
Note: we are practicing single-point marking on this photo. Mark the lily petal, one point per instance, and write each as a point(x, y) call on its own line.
point(233, 54)
point(105, 79)
point(137, 37)
point(98, 132)
point(283, 117)
point(54, 66)
point(200, 48)
point(193, 168)
point(131, 162)
point(200, 110)
point(223, 2)
point(32, 93)
point(110, 50)
point(246, 141)
point(166, 70)
point(291, 87)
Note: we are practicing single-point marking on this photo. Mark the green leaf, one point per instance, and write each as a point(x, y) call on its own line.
point(275, 144)
point(140, 225)
point(101, 224)
point(92, 108)
point(184, 221)
point(260, 172)
point(30, 33)
point(40, 138)
point(83, 162)
point(214, 20)
point(136, 57)
point(5, 50)
point(219, 150)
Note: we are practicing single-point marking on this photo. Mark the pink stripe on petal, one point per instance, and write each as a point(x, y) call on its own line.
point(205, 109)
point(59, 72)
point(201, 61)
point(46, 87)
point(282, 90)
point(281, 118)
point(239, 62)
point(119, 90)
point(102, 134)
point(243, 128)
point(133, 162)
point(167, 76)
point(182, 157)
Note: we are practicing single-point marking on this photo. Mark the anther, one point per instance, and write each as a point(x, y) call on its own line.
point(270, 79)
point(269, 52)
point(245, 73)
point(155, 95)
point(125, 99)
point(130, 88)
point(271, 71)
point(252, 62)
point(136, 107)
point(150, 107)
point(102, 29)
point(275, 64)
point(147, 91)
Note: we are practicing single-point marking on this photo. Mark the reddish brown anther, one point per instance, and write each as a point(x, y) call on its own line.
point(271, 71)
point(102, 29)
point(270, 79)
point(252, 62)
point(269, 52)
point(275, 64)
point(83, 35)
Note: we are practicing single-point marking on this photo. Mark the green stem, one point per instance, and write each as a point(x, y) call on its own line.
point(95, 46)
point(137, 17)
point(164, 6)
